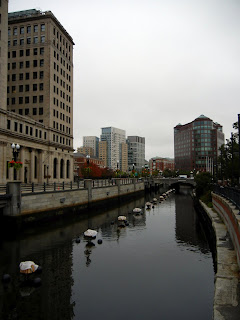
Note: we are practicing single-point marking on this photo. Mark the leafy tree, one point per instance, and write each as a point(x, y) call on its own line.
point(203, 183)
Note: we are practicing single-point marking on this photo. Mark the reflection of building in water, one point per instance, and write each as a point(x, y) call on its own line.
point(188, 228)
point(52, 300)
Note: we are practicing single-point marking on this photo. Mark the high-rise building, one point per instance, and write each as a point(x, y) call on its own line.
point(92, 142)
point(40, 72)
point(114, 138)
point(103, 154)
point(86, 151)
point(136, 157)
point(3, 52)
point(124, 156)
point(36, 110)
point(196, 144)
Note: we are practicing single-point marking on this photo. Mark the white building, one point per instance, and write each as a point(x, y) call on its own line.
point(115, 138)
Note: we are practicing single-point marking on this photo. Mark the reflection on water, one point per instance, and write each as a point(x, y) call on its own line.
point(157, 267)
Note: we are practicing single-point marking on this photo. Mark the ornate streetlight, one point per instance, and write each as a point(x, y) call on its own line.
point(88, 169)
point(15, 150)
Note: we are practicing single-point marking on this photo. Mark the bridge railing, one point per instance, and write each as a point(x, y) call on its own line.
point(232, 194)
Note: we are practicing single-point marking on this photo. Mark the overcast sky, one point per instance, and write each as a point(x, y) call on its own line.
point(146, 65)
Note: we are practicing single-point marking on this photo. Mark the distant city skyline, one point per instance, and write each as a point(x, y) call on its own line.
point(146, 66)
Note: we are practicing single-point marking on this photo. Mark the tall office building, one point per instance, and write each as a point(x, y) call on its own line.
point(136, 147)
point(38, 115)
point(92, 142)
point(103, 154)
point(114, 138)
point(196, 144)
point(40, 72)
point(3, 52)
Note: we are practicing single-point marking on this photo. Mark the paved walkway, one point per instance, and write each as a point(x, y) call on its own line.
point(227, 279)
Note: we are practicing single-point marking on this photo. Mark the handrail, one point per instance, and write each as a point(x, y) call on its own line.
point(232, 194)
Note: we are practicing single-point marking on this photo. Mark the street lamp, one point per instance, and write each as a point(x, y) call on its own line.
point(88, 159)
point(47, 173)
point(117, 164)
point(15, 150)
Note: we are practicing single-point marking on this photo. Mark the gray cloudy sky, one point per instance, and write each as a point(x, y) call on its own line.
point(146, 65)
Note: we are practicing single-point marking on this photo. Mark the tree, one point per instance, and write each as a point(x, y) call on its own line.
point(203, 183)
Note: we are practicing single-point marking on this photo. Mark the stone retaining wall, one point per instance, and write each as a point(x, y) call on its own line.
point(231, 218)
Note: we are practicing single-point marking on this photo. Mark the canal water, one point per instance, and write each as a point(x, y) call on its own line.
point(158, 267)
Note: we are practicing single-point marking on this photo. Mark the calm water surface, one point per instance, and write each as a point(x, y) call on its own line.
point(158, 267)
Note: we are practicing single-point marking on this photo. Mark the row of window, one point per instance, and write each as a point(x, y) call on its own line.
point(62, 83)
point(26, 29)
point(26, 111)
point(29, 40)
point(35, 52)
point(35, 75)
point(61, 115)
point(61, 127)
point(35, 99)
point(19, 127)
point(21, 64)
point(35, 87)
point(62, 72)
point(62, 61)
point(61, 140)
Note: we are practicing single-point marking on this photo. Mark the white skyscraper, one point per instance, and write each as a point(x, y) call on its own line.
point(115, 138)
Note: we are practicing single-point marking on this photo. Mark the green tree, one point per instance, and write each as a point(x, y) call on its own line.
point(203, 183)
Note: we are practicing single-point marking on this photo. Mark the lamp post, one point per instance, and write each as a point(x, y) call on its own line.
point(88, 158)
point(239, 148)
point(15, 150)
point(47, 173)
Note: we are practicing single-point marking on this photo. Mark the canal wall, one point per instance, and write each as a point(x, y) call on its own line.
point(29, 208)
point(227, 283)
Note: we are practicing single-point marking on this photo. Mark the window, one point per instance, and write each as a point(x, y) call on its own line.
point(13, 77)
point(15, 126)
point(28, 40)
point(35, 75)
point(41, 98)
point(26, 128)
point(26, 87)
point(20, 100)
point(41, 74)
point(41, 62)
point(34, 87)
point(21, 41)
point(27, 64)
point(26, 100)
point(28, 29)
point(41, 86)
point(20, 88)
point(22, 30)
point(42, 39)
point(15, 42)
point(42, 27)
point(21, 53)
point(35, 63)
point(21, 64)
point(20, 111)
point(15, 31)
point(28, 52)
point(27, 76)
point(8, 124)
point(35, 39)
point(35, 51)
point(13, 100)
point(20, 76)
point(35, 28)
point(26, 112)
point(14, 54)
point(41, 51)
point(14, 65)
point(34, 111)
point(34, 99)
point(40, 111)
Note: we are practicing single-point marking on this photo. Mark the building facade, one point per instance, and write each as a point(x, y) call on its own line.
point(92, 142)
point(196, 143)
point(86, 150)
point(114, 137)
point(103, 155)
point(136, 147)
point(3, 52)
point(160, 164)
point(38, 115)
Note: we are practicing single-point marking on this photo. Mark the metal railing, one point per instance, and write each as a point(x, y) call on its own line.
point(232, 194)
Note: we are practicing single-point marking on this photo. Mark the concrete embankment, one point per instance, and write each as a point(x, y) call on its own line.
point(227, 282)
